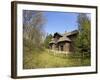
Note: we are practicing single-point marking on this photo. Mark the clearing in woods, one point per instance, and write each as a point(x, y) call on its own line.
point(47, 59)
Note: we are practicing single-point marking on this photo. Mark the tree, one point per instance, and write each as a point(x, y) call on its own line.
point(33, 29)
point(47, 40)
point(82, 41)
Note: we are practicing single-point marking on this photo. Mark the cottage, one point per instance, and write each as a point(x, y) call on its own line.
point(63, 42)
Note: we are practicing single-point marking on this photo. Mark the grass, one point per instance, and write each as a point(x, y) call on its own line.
point(43, 59)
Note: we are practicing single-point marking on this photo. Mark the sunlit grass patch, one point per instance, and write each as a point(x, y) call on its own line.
point(45, 59)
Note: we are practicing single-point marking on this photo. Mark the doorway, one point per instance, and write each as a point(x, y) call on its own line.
point(61, 47)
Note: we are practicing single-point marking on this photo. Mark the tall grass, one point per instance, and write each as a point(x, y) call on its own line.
point(43, 59)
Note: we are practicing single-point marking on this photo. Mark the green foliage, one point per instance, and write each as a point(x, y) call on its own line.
point(82, 41)
point(33, 29)
point(47, 40)
point(28, 44)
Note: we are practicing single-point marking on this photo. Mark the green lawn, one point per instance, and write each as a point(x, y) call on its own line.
point(43, 59)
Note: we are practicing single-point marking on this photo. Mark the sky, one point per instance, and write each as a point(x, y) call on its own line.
point(56, 21)
point(60, 22)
